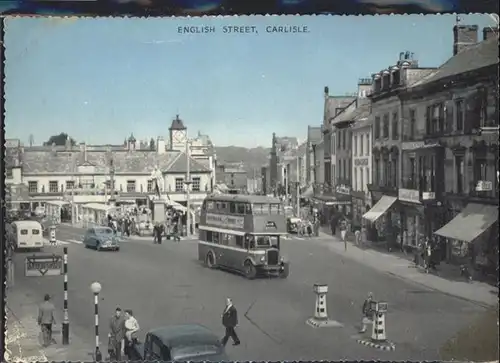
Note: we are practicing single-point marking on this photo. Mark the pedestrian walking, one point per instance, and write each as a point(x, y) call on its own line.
point(175, 232)
point(161, 229)
point(357, 237)
point(116, 335)
point(367, 313)
point(230, 321)
point(343, 233)
point(46, 319)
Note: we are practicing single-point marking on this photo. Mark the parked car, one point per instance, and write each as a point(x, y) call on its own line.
point(101, 238)
point(180, 343)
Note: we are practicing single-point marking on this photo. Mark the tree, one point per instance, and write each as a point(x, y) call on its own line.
point(59, 140)
point(152, 145)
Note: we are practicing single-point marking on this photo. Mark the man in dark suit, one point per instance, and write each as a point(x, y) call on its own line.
point(230, 321)
point(46, 319)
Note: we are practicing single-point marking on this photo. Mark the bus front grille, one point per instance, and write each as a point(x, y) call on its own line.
point(272, 257)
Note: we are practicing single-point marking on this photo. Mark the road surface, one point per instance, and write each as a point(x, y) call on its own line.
point(165, 284)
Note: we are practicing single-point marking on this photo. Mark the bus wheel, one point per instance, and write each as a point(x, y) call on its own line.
point(210, 260)
point(250, 271)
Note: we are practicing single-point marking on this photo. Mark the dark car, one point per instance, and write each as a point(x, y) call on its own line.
point(180, 343)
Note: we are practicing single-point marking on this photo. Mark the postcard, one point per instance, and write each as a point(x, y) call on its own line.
point(261, 188)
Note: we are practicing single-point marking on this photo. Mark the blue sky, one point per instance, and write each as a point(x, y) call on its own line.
point(101, 79)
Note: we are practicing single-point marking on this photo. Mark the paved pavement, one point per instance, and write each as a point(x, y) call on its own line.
point(165, 284)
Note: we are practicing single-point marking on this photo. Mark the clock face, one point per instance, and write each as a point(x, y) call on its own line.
point(179, 136)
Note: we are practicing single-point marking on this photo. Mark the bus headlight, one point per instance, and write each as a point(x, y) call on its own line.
point(263, 259)
point(282, 259)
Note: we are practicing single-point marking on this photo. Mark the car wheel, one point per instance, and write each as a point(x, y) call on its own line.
point(210, 260)
point(250, 270)
point(117, 249)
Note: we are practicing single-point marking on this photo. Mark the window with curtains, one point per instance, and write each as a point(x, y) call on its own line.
point(427, 173)
point(376, 170)
point(361, 142)
point(361, 181)
point(355, 179)
point(388, 171)
point(355, 146)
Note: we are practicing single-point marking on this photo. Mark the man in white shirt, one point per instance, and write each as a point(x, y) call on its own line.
point(131, 325)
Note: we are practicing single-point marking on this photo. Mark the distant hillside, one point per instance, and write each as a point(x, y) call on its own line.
point(253, 158)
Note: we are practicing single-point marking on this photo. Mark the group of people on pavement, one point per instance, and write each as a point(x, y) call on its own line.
point(123, 328)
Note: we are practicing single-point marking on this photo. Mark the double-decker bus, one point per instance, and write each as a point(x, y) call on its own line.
point(243, 233)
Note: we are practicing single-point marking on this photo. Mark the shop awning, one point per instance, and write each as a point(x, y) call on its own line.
point(470, 223)
point(308, 193)
point(380, 208)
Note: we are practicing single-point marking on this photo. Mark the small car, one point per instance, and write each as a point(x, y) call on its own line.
point(101, 238)
point(180, 343)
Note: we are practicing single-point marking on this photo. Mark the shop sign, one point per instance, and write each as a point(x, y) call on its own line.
point(484, 186)
point(409, 195)
point(412, 145)
point(343, 189)
point(43, 265)
point(428, 195)
point(361, 162)
point(227, 221)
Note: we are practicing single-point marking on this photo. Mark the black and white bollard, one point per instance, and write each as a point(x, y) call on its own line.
point(378, 337)
point(320, 318)
point(65, 324)
point(96, 289)
point(52, 235)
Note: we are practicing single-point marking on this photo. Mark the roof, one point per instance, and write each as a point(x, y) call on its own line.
point(474, 57)
point(27, 223)
point(335, 102)
point(346, 114)
point(179, 165)
point(360, 116)
point(177, 124)
point(245, 198)
point(179, 335)
point(12, 157)
point(136, 162)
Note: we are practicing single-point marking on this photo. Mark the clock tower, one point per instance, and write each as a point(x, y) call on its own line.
point(178, 134)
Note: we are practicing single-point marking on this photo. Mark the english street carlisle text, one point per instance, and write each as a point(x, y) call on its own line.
point(246, 29)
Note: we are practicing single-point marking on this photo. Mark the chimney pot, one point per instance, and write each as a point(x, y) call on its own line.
point(327, 91)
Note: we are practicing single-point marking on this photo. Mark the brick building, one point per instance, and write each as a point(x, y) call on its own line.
point(386, 115)
point(451, 149)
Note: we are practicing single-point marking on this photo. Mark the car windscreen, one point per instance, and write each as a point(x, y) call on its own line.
point(104, 231)
point(188, 353)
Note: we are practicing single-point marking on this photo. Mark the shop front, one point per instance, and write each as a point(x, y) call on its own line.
point(412, 214)
point(343, 194)
point(359, 207)
point(330, 205)
point(472, 235)
point(383, 221)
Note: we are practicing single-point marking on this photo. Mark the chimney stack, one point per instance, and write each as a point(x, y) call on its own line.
point(364, 87)
point(464, 36)
point(327, 91)
point(160, 145)
point(489, 32)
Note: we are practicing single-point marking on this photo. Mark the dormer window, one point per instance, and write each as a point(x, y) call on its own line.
point(386, 80)
point(377, 83)
point(396, 76)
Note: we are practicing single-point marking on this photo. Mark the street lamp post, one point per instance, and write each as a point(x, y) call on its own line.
point(96, 289)
point(298, 186)
point(188, 190)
